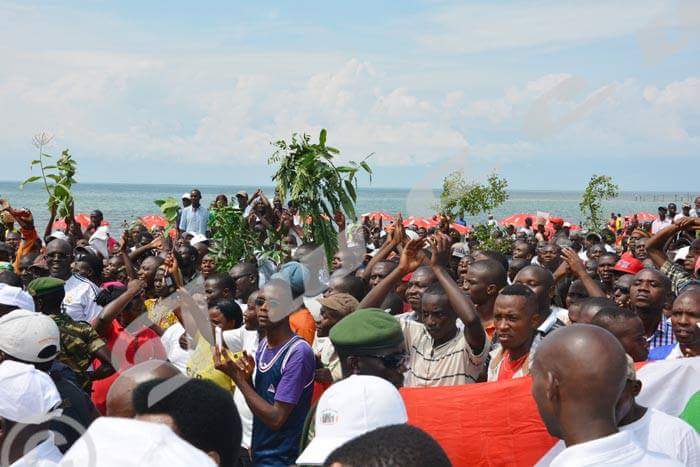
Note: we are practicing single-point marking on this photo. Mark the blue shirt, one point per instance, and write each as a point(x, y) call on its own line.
point(194, 220)
point(284, 374)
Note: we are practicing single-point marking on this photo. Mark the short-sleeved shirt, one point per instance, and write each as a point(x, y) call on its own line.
point(171, 342)
point(79, 342)
point(194, 220)
point(79, 302)
point(449, 364)
point(303, 325)
point(127, 349)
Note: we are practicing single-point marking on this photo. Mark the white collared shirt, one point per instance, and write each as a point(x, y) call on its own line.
point(79, 302)
point(45, 454)
point(617, 449)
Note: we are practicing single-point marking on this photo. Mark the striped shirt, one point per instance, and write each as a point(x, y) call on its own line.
point(662, 336)
point(449, 364)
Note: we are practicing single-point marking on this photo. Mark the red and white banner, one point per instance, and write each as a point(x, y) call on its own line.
point(493, 424)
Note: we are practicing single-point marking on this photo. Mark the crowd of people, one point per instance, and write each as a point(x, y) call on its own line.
point(137, 349)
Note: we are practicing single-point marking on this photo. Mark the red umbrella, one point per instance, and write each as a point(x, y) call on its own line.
point(418, 222)
point(643, 216)
point(518, 220)
point(153, 220)
point(376, 215)
point(462, 229)
point(82, 219)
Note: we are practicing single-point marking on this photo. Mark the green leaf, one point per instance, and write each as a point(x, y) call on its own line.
point(366, 166)
point(49, 167)
point(30, 180)
point(35, 162)
point(351, 190)
point(322, 137)
point(46, 155)
point(61, 191)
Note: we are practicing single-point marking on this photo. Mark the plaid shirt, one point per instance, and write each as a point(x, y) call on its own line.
point(662, 336)
point(679, 277)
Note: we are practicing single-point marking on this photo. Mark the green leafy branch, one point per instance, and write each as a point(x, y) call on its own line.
point(58, 179)
point(460, 196)
point(600, 187)
point(309, 177)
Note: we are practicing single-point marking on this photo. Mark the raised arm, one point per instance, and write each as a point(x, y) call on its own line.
point(461, 304)
point(381, 255)
point(49, 225)
point(579, 270)
point(657, 241)
point(411, 258)
point(113, 308)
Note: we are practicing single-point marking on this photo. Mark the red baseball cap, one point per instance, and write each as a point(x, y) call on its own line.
point(628, 265)
point(556, 220)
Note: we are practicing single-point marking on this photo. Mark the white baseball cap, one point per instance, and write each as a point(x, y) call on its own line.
point(27, 395)
point(123, 442)
point(186, 196)
point(59, 235)
point(14, 296)
point(351, 408)
point(198, 238)
point(29, 336)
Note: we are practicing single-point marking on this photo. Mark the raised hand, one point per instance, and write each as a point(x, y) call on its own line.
point(239, 371)
point(573, 261)
point(412, 255)
point(440, 244)
point(136, 286)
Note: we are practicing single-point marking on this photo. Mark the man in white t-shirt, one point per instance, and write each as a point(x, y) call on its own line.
point(662, 221)
point(245, 338)
point(577, 396)
point(79, 302)
point(654, 430)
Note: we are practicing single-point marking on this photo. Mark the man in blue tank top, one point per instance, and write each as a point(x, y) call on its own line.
point(281, 395)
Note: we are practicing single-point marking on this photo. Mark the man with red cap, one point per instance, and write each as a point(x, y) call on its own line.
point(628, 264)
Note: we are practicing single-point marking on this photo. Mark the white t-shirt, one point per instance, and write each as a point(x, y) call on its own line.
point(617, 449)
point(660, 224)
point(657, 432)
point(45, 454)
point(79, 302)
point(238, 340)
point(171, 342)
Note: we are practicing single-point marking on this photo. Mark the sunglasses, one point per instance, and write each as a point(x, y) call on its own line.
point(393, 361)
point(260, 301)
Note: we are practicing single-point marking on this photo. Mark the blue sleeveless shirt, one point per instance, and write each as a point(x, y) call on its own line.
point(281, 448)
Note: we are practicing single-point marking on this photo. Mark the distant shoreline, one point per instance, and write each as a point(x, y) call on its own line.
point(683, 193)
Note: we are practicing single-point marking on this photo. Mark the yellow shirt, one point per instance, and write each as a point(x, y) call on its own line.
point(201, 365)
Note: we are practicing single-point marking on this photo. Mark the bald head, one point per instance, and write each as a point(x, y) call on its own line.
point(573, 391)
point(119, 402)
point(591, 306)
point(490, 271)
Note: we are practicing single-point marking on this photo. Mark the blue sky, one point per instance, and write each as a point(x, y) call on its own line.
point(545, 93)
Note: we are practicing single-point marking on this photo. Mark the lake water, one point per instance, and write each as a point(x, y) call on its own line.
point(121, 202)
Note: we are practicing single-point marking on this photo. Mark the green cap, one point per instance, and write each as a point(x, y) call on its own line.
point(365, 332)
point(44, 285)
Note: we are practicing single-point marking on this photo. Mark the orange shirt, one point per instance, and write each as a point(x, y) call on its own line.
point(29, 238)
point(303, 325)
point(508, 367)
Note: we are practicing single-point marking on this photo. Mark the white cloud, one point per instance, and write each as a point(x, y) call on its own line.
point(472, 27)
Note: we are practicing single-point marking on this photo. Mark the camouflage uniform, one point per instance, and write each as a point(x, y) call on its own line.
point(79, 342)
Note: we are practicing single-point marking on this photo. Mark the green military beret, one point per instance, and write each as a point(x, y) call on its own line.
point(365, 332)
point(44, 285)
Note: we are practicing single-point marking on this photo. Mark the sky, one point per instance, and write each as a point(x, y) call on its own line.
point(545, 93)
